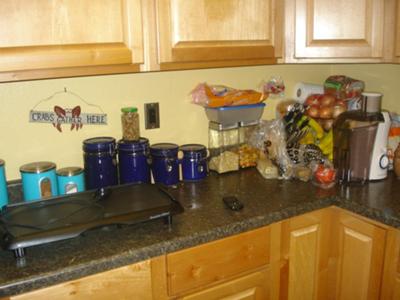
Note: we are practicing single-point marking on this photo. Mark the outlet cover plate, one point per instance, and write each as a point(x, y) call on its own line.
point(152, 115)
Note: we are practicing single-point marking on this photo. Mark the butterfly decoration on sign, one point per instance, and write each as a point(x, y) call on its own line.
point(66, 115)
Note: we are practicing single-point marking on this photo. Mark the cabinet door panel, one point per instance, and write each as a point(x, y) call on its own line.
point(339, 29)
point(249, 287)
point(303, 262)
point(39, 35)
point(208, 30)
point(361, 252)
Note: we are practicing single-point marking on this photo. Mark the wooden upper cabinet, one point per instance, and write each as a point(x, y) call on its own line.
point(338, 30)
point(41, 35)
point(397, 37)
point(218, 33)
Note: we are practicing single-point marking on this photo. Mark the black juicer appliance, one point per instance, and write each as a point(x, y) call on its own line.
point(360, 141)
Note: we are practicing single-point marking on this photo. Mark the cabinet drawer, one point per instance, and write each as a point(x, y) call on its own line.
point(215, 261)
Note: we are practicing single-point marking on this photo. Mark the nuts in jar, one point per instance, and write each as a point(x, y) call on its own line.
point(130, 124)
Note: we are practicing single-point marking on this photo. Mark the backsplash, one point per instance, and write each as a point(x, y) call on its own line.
point(180, 121)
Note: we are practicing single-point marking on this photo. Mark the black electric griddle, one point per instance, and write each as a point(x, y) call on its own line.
point(39, 222)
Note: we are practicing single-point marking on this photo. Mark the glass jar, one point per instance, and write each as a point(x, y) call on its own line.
point(133, 159)
point(130, 124)
point(223, 144)
point(248, 155)
point(100, 162)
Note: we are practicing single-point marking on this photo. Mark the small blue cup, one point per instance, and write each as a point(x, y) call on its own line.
point(3, 185)
point(70, 180)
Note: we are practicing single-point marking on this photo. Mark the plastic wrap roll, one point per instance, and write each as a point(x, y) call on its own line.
point(302, 90)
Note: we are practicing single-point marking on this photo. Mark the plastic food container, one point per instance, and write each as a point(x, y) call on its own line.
point(235, 114)
point(133, 159)
point(100, 162)
point(164, 163)
point(248, 155)
point(70, 180)
point(3, 185)
point(39, 180)
point(130, 124)
point(194, 162)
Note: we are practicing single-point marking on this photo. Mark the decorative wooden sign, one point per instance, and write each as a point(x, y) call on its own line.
point(72, 116)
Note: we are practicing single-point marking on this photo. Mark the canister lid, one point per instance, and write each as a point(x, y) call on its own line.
point(129, 109)
point(37, 167)
point(69, 171)
point(193, 149)
point(140, 145)
point(99, 144)
point(1, 162)
point(164, 149)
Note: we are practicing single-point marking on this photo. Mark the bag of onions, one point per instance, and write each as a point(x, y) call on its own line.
point(324, 108)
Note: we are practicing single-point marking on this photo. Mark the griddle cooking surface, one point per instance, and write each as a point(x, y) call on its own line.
point(33, 223)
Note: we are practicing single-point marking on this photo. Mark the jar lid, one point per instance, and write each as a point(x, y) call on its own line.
point(69, 171)
point(189, 149)
point(1, 162)
point(129, 109)
point(99, 144)
point(37, 167)
point(164, 149)
point(139, 145)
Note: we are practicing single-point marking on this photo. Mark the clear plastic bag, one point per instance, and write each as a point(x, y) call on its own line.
point(271, 139)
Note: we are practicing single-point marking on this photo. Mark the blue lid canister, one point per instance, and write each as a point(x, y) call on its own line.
point(70, 180)
point(133, 161)
point(164, 163)
point(39, 180)
point(3, 185)
point(100, 162)
point(194, 162)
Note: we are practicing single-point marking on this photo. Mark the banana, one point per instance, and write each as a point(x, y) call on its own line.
point(319, 132)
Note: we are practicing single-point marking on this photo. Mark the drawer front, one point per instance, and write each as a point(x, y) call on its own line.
point(215, 261)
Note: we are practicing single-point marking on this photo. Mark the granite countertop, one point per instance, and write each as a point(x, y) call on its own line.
point(205, 219)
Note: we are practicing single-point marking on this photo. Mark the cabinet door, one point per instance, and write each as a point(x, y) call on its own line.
point(218, 33)
point(397, 41)
point(360, 258)
point(304, 248)
point(337, 29)
point(253, 286)
point(391, 270)
point(47, 38)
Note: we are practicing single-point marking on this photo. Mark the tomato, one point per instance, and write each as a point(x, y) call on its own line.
point(324, 174)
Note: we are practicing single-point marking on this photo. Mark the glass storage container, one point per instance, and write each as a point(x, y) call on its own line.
point(130, 124)
point(248, 155)
point(223, 144)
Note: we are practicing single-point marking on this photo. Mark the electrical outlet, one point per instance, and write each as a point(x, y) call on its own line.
point(152, 115)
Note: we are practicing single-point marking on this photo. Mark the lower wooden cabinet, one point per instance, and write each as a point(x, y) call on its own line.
point(326, 254)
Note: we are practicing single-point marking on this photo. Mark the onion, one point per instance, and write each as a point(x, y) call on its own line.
point(313, 111)
point(312, 99)
point(326, 112)
point(341, 102)
point(327, 100)
point(337, 110)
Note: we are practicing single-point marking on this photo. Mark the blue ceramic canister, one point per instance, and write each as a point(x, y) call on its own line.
point(194, 162)
point(39, 180)
point(3, 185)
point(164, 163)
point(133, 159)
point(70, 180)
point(100, 162)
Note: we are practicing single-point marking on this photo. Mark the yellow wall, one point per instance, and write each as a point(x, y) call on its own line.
point(181, 121)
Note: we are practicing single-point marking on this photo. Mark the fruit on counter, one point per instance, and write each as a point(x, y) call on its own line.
point(327, 100)
point(326, 144)
point(326, 112)
point(324, 174)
